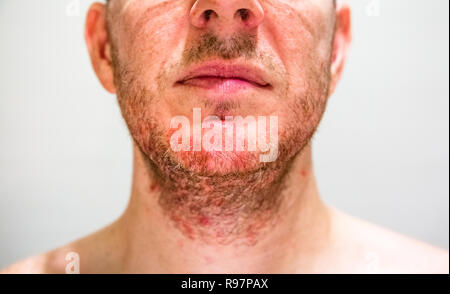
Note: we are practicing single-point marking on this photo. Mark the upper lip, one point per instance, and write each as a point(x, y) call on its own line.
point(221, 69)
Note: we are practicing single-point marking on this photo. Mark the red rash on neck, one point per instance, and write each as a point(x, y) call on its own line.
point(303, 173)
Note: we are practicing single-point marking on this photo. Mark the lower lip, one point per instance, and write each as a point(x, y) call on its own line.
point(221, 85)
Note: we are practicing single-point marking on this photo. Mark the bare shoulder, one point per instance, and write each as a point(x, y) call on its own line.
point(50, 262)
point(88, 253)
point(384, 251)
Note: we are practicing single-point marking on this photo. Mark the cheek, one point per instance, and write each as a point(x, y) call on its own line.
point(298, 32)
point(150, 35)
point(145, 52)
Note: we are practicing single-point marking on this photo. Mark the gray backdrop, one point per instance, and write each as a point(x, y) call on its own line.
point(381, 152)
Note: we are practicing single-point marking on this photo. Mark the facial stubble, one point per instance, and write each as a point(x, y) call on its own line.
point(236, 206)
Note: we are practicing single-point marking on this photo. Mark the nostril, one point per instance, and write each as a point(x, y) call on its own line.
point(208, 13)
point(244, 13)
point(217, 13)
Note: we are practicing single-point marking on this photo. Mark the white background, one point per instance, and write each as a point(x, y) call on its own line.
point(381, 153)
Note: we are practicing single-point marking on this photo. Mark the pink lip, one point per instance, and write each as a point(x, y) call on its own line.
point(224, 78)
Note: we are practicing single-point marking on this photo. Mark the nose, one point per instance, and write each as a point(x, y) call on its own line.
point(225, 15)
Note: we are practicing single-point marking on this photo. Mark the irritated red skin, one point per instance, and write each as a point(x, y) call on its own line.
point(303, 173)
point(213, 161)
point(203, 221)
point(154, 187)
point(218, 202)
point(188, 229)
point(191, 183)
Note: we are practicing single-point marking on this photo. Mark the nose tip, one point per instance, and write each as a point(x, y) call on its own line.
point(246, 14)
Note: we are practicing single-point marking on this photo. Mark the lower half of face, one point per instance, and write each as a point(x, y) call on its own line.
point(212, 105)
point(207, 132)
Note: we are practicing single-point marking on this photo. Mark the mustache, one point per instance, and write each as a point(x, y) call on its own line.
point(210, 45)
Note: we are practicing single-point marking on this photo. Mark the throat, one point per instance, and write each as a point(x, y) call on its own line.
point(182, 222)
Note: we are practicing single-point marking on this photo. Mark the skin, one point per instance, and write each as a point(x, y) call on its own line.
point(212, 212)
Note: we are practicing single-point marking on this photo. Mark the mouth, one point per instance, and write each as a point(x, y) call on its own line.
point(224, 78)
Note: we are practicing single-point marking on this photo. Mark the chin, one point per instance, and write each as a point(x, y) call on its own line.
point(218, 163)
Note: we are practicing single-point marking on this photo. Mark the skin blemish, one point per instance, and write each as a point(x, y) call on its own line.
point(203, 221)
point(208, 260)
point(154, 187)
point(219, 202)
point(188, 230)
point(219, 234)
point(303, 173)
point(251, 235)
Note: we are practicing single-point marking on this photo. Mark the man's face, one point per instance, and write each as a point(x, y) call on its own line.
point(228, 58)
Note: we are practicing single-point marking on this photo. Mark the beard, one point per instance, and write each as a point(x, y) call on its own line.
point(218, 197)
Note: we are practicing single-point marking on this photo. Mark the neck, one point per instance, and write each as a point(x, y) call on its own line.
point(283, 239)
